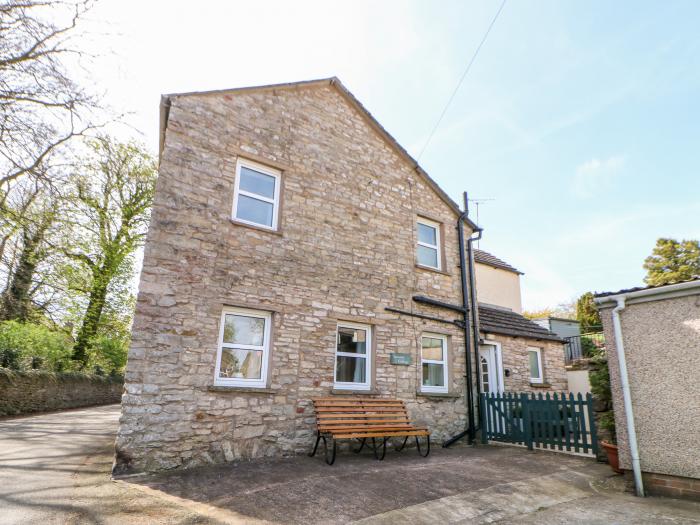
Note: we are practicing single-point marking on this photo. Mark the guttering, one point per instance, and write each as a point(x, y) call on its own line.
point(646, 294)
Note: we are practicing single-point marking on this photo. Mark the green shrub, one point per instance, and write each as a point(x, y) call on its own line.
point(599, 378)
point(33, 346)
point(108, 354)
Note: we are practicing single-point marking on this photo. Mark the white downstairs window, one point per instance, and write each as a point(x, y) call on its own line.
point(433, 358)
point(256, 194)
point(244, 347)
point(428, 249)
point(353, 359)
point(535, 360)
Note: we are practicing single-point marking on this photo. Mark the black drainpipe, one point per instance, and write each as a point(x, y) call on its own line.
point(475, 316)
point(471, 429)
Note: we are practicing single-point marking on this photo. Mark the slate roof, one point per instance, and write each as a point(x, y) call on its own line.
point(507, 322)
point(640, 288)
point(488, 259)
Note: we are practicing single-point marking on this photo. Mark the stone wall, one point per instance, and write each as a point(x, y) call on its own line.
point(37, 391)
point(516, 366)
point(662, 347)
point(345, 251)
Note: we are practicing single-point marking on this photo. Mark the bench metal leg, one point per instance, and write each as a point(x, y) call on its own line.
point(318, 438)
point(330, 460)
point(364, 440)
point(383, 447)
point(402, 445)
point(427, 451)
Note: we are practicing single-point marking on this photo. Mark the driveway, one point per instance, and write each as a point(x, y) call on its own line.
point(55, 469)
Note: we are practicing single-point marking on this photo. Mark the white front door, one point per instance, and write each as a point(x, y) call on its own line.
point(490, 369)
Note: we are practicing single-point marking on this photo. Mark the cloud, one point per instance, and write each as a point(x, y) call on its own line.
point(595, 175)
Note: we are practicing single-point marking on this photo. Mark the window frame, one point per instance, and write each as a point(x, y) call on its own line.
point(265, 348)
point(444, 362)
point(341, 385)
point(538, 351)
point(437, 247)
point(237, 192)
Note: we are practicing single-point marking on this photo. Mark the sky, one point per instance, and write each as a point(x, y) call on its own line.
point(578, 125)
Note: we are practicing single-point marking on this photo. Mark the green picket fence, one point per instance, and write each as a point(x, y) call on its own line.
point(554, 422)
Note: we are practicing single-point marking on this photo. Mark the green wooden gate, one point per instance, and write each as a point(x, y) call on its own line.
point(555, 422)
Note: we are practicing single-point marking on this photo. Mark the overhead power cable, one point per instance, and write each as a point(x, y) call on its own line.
point(466, 71)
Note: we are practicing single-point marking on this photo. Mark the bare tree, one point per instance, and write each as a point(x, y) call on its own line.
point(41, 107)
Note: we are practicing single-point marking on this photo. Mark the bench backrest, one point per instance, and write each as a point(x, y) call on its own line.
point(340, 414)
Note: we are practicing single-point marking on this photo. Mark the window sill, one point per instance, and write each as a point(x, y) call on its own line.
point(438, 394)
point(434, 270)
point(240, 389)
point(256, 228)
point(540, 385)
point(341, 392)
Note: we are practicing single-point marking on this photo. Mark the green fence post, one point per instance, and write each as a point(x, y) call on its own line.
point(484, 419)
point(527, 431)
point(591, 422)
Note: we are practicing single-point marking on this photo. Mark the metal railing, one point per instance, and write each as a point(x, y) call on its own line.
point(582, 346)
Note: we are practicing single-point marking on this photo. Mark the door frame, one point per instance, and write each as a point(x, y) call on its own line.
point(498, 361)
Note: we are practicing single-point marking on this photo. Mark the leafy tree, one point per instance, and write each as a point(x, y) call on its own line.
point(587, 313)
point(562, 310)
point(672, 261)
point(110, 208)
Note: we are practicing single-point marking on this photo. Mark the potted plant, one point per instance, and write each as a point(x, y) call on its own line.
point(607, 422)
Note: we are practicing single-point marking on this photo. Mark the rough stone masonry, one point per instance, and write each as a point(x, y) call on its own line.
point(345, 250)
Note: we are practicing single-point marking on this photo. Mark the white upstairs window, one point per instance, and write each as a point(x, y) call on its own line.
point(434, 363)
point(244, 346)
point(256, 194)
point(535, 360)
point(429, 244)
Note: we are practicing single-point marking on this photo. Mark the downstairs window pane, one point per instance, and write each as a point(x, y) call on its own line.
point(240, 364)
point(351, 369)
point(433, 374)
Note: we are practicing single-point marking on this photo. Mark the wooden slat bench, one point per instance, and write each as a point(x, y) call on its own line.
point(364, 418)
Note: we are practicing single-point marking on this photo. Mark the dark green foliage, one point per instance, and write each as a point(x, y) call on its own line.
point(587, 314)
point(599, 377)
point(672, 261)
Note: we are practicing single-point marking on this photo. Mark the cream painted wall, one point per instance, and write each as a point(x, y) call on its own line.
point(578, 381)
point(498, 287)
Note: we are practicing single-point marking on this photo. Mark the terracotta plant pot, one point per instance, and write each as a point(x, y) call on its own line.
point(613, 459)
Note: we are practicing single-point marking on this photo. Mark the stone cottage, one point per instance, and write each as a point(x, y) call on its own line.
point(289, 238)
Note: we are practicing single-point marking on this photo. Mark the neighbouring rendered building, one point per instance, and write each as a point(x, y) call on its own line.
point(659, 335)
point(289, 240)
